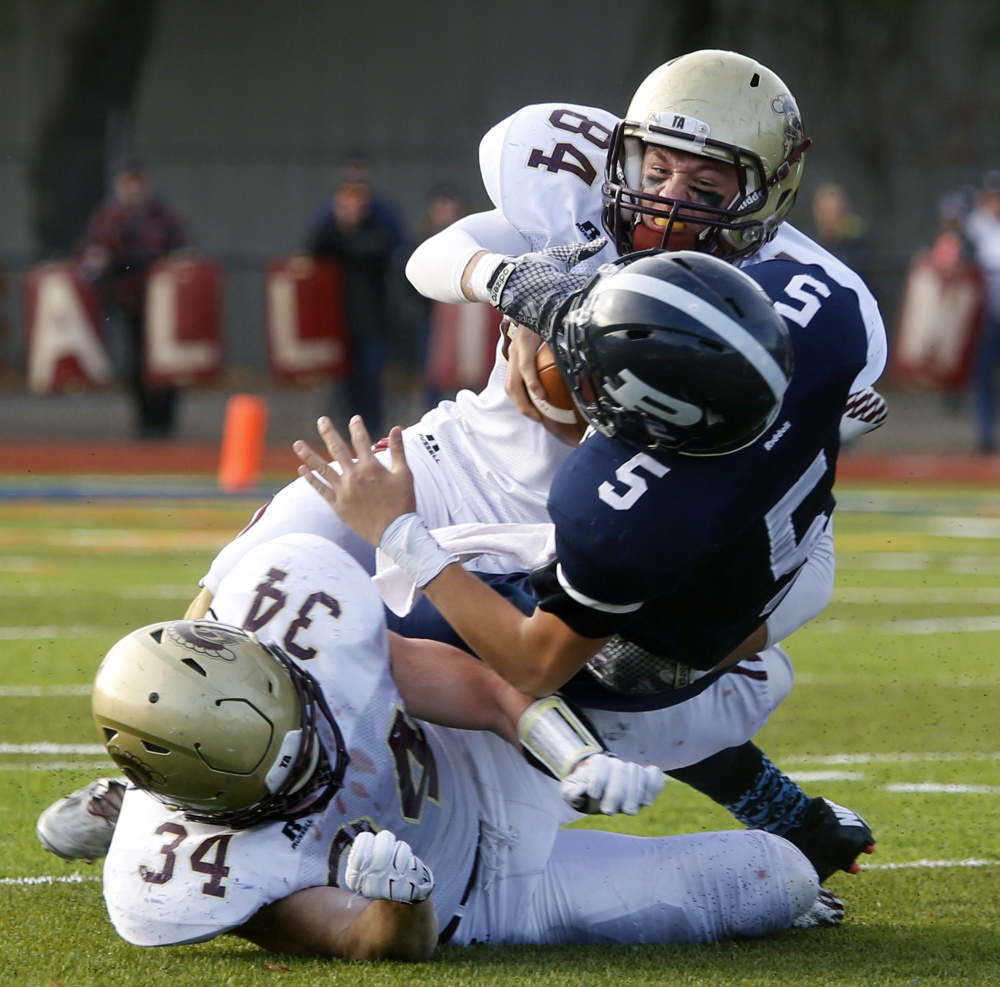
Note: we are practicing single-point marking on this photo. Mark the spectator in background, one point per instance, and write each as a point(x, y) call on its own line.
point(445, 204)
point(361, 233)
point(983, 230)
point(951, 246)
point(839, 230)
point(132, 230)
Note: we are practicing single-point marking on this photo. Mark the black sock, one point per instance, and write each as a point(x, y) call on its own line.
point(745, 782)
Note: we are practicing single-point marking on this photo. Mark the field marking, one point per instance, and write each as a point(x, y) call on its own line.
point(923, 864)
point(905, 757)
point(117, 539)
point(46, 747)
point(41, 591)
point(811, 776)
point(75, 878)
point(937, 788)
point(903, 594)
point(940, 625)
point(30, 691)
point(48, 633)
point(59, 766)
point(964, 527)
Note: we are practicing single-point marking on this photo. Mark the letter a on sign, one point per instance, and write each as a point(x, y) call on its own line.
point(65, 346)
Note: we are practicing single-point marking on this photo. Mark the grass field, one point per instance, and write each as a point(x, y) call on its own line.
point(894, 714)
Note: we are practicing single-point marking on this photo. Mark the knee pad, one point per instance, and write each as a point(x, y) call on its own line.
point(780, 673)
point(800, 875)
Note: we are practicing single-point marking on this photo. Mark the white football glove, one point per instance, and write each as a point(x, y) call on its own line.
point(380, 866)
point(603, 783)
point(530, 288)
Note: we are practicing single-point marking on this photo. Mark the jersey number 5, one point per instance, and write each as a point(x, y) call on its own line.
point(635, 485)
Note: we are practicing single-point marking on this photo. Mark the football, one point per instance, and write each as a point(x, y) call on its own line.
point(562, 418)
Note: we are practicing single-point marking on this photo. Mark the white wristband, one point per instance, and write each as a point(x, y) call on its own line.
point(551, 731)
point(414, 549)
point(479, 277)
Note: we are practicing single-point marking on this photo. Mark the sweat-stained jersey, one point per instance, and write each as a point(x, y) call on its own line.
point(686, 555)
point(485, 822)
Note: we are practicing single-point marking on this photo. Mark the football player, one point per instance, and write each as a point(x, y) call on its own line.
point(283, 789)
point(679, 525)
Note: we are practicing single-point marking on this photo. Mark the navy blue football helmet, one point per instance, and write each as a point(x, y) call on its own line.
point(675, 350)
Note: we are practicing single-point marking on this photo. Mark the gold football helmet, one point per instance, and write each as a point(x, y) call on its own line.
point(714, 104)
point(207, 719)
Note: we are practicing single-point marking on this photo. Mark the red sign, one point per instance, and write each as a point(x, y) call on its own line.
point(462, 345)
point(939, 324)
point(183, 323)
point(306, 321)
point(63, 329)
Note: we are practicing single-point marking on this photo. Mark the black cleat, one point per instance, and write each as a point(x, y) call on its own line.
point(832, 837)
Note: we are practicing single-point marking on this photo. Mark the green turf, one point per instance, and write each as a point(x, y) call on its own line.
point(897, 691)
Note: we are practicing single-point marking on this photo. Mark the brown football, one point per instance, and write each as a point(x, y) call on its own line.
point(562, 418)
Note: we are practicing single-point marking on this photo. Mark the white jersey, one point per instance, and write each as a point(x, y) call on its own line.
point(485, 822)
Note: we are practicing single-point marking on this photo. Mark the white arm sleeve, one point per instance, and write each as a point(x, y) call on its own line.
point(810, 592)
point(436, 267)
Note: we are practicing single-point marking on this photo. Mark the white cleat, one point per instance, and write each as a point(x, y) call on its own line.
point(80, 826)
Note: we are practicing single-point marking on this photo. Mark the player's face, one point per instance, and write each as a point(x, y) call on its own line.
point(678, 175)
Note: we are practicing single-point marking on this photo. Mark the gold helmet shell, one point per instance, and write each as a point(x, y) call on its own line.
point(207, 719)
point(720, 105)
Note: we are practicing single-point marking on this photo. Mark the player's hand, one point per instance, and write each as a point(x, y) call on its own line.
point(603, 783)
point(366, 496)
point(530, 287)
point(380, 866)
point(522, 372)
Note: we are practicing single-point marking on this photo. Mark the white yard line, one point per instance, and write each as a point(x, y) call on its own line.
point(46, 747)
point(61, 766)
point(32, 691)
point(48, 633)
point(903, 757)
point(929, 864)
point(77, 878)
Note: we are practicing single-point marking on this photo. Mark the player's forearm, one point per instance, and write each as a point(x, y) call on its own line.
point(391, 930)
point(443, 685)
point(439, 268)
point(536, 654)
point(334, 922)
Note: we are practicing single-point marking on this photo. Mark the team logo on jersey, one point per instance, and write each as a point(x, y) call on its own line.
point(295, 831)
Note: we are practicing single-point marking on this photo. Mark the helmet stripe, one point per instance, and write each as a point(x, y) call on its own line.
point(721, 324)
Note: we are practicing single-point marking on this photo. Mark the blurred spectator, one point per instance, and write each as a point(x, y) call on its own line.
point(839, 230)
point(125, 236)
point(952, 247)
point(983, 230)
point(445, 204)
point(360, 232)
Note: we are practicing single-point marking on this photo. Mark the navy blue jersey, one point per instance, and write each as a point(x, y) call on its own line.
point(685, 555)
